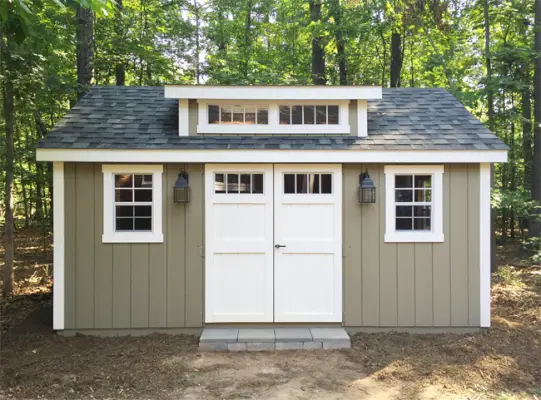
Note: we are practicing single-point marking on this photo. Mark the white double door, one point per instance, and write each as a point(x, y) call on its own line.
point(273, 249)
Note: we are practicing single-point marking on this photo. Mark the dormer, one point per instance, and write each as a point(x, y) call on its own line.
point(272, 110)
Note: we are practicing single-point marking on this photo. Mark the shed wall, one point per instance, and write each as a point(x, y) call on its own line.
point(156, 285)
point(412, 284)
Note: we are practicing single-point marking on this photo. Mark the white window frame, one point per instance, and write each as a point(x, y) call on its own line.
point(273, 127)
point(435, 235)
point(109, 233)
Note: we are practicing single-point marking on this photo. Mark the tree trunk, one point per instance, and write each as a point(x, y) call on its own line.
point(490, 94)
point(396, 59)
point(9, 116)
point(247, 42)
point(340, 46)
point(120, 68)
point(527, 150)
point(85, 49)
point(318, 50)
point(535, 226)
point(197, 41)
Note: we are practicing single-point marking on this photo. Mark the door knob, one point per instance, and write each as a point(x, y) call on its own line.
point(279, 245)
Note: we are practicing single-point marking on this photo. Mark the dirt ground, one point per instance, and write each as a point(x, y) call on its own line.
point(503, 362)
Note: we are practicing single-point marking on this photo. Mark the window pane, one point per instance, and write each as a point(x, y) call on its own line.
point(143, 195)
point(214, 114)
point(423, 181)
point(124, 224)
point(421, 224)
point(232, 183)
point(226, 114)
point(302, 183)
point(421, 211)
point(257, 183)
point(403, 224)
point(404, 211)
point(296, 115)
point(143, 211)
point(289, 183)
point(326, 183)
point(238, 114)
point(285, 113)
point(249, 115)
point(245, 183)
point(124, 181)
point(262, 116)
point(309, 117)
point(422, 195)
point(124, 211)
point(321, 115)
point(403, 196)
point(143, 181)
point(403, 181)
point(314, 183)
point(143, 224)
point(123, 195)
point(219, 184)
point(332, 115)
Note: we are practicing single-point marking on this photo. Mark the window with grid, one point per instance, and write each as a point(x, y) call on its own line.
point(309, 114)
point(133, 202)
point(238, 114)
point(413, 197)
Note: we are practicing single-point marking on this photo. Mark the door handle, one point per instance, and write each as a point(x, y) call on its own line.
point(279, 245)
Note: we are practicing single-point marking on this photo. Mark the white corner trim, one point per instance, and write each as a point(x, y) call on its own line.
point(484, 242)
point(362, 118)
point(183, 117)
point(272, 92)
point(109, 234)
point(270, 156)
point(58, 250)
point(436, 233)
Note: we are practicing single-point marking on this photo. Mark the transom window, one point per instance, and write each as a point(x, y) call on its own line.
point(132, 203)
point(413, 203)
point(413, 196)
point(238, 114)
point(243, 183)
point(309, 114)
point(308, 183)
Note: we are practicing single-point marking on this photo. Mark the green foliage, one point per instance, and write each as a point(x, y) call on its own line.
point(509, 276)
point(533, 246)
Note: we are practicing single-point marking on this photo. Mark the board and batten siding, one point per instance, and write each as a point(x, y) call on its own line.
point(412, 284)
point(139, 285)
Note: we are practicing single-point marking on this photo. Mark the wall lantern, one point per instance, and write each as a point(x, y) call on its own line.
point(367, 190)
point(181, 190)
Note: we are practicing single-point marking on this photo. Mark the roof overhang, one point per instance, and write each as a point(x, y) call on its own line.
point(272, 92)
point(271, 156)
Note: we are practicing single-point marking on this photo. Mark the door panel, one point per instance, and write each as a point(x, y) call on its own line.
point(239, 243)
point(308, 222)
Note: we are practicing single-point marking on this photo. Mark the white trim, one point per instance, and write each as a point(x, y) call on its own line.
point(109, 234)
point(362, 118)
point(58, 250)
point(272, 156)
point(484, 242)
point(274, 126)
point(436, 232)
point(183, 117)
point(272, 92)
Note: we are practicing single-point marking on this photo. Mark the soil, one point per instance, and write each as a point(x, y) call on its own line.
point(502, 362)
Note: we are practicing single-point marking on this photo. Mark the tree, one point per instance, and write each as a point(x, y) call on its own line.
point(85, 49)
point(396, 59)
point(120, 69)
point(318, 48)
point(535, 226)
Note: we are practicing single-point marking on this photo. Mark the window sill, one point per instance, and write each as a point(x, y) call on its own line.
point(132, 237)
point(273, 129)
point(414, 237)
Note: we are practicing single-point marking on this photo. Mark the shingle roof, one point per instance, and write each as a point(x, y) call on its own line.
point(134, 117)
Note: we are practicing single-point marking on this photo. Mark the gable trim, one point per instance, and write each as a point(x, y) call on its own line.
point(270, 156)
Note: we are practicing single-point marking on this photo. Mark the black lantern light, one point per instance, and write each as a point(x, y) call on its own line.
point(367, 190)
point(181, 190)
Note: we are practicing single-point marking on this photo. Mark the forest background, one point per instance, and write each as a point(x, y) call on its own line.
point(485, 52)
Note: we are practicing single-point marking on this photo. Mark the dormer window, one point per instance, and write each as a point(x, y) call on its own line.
point(309, 114)
point(238, 114)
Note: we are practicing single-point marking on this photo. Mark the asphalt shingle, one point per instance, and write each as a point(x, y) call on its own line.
point(135, 117)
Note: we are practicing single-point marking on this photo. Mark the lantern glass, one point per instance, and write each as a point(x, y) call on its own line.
point(367, 195)
point(181, 195)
